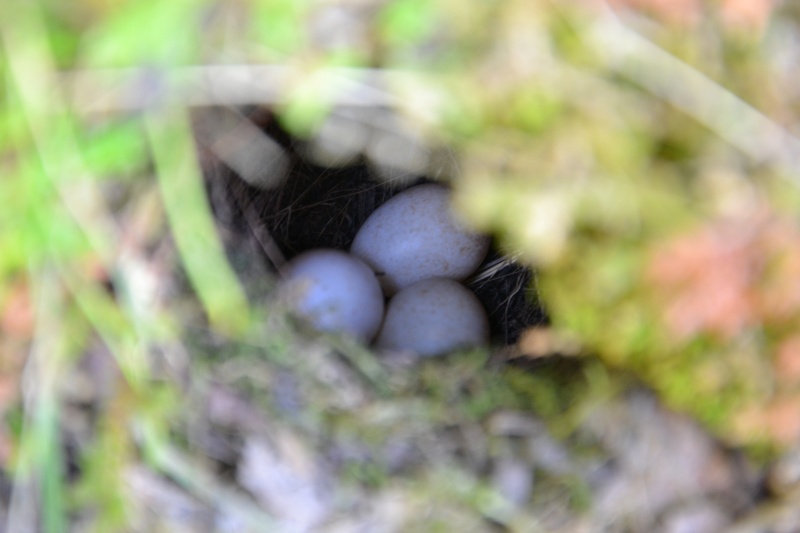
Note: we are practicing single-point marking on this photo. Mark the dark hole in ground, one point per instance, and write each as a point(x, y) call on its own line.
point(324, 207)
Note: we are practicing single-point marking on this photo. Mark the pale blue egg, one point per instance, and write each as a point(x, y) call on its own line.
point(432, 317)
point(334, 291)
point(414, 236)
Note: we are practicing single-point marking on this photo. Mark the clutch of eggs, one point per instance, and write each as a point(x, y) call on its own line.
point(416, 248)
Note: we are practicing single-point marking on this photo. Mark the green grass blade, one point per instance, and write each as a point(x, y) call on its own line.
point(190, 219)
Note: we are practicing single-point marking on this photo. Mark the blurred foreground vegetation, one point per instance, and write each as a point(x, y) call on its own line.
point(639, 156)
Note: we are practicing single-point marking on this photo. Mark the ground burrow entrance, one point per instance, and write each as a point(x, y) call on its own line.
point(312, 205)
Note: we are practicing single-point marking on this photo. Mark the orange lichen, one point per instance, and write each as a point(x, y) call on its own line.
point(729, 275)
point(778, 421)
point(787, 361)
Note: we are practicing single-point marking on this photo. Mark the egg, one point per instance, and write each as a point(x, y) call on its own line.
point(414, 236)
point(334, 292)
point(432, 317)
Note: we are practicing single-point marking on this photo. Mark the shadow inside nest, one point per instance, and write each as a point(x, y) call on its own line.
point(317, 206)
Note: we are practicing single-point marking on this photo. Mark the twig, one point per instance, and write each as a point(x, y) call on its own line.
point(137, 89)
point(697, 95)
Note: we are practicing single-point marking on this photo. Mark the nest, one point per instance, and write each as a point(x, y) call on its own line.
point(316, 206)
point(546, 414)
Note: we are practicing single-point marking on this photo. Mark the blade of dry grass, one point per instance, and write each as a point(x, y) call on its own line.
point(198, 481)
point(137, 89)
point(37, 493)
point(672, 80)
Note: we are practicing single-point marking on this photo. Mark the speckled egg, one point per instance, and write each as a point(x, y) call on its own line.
point(432, 317)
point(414, 236)
point(334, 291)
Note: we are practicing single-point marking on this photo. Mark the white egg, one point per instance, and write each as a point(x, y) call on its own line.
point(334, 291)
point(414, 236)
point(432, 317)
